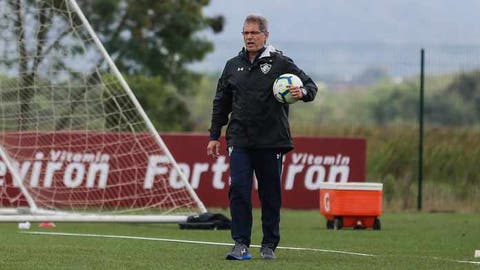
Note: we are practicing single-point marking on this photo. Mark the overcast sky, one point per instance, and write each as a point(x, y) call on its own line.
point(389, 21)
point(347, 36)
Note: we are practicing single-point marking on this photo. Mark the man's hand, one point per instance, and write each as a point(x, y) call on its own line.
point(295, 91)
point(213, 149)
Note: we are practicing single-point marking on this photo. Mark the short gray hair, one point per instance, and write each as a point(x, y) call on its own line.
point(258, 19)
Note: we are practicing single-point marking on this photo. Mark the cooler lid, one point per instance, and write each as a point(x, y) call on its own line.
point(352, 186)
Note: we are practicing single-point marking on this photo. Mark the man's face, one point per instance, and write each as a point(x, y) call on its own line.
point(253, 38)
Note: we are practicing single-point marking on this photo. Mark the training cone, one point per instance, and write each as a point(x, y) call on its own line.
point(47, 225)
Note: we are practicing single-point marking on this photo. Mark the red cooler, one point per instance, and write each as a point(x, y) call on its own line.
point(356, 205)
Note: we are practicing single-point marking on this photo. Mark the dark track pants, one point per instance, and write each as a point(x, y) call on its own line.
point(267, 165)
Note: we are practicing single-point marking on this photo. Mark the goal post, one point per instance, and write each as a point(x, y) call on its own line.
point(75, 143)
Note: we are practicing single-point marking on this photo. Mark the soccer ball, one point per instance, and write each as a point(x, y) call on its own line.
point(280, 90)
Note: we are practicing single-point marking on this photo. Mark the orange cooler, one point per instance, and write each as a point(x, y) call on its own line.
point(356, 205)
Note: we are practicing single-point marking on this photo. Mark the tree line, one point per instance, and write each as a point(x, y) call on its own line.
point(151, 42)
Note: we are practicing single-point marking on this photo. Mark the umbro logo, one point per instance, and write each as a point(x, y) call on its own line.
point(240, 68)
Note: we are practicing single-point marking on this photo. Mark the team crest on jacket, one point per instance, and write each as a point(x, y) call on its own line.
point(265, 68)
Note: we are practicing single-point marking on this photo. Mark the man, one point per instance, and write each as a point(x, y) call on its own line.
point(258, 133)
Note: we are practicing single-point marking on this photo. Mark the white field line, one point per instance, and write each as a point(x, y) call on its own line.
point(471, 262)
point(190, 242)
point(457, 261)
point(223, 244)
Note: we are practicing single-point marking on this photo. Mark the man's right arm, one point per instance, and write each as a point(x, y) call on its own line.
point(222, 106)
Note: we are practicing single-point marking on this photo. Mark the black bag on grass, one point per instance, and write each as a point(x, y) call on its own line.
point(207, 221)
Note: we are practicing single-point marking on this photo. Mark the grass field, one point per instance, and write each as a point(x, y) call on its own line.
point(406, 241)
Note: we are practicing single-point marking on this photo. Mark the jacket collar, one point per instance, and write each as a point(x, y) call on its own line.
point(268, 51)
point(264, 52)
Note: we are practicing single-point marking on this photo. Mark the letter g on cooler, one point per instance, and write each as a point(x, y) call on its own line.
point(326, 202)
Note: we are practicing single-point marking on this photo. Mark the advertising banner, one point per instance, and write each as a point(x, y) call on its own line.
point(313, 161)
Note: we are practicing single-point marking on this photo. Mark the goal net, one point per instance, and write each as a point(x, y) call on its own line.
point(75, 145)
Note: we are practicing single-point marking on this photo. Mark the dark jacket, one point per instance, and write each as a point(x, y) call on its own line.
point(257, 119)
